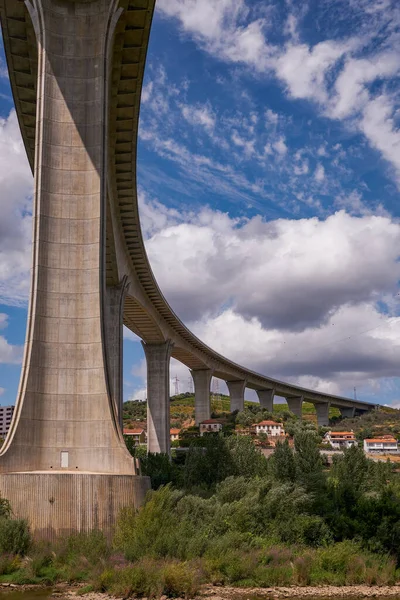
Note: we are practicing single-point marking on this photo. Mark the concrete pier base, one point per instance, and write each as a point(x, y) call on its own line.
point(236, 393)
point(202, 380)
point(59, 504)
point(158, 396)
point(295, 405)
point(322, 411)
point(266, 398)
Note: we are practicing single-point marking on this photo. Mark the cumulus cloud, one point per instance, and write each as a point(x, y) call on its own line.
point(287, 273)
point(9, 354)
point(15, 207)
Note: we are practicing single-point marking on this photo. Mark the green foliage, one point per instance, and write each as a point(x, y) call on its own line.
point(15, 537)
point(283, 465)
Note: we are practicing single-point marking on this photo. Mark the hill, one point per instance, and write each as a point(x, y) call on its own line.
point(182, 410)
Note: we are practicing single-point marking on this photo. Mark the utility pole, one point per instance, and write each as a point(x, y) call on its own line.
point(176, 385)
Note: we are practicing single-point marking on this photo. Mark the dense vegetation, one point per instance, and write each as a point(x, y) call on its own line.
point(222, 513)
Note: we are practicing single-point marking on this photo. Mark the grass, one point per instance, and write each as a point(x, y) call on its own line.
point(89, 560)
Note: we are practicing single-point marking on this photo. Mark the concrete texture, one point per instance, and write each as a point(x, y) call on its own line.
point(322, 411)
point(58, 504)
point(158, 396)
point(236, 393)
point(266, 399)
point(295, 405)
point(202, 380)
point(348, 412)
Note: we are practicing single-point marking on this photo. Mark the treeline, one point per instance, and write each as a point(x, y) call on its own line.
point(222, 513)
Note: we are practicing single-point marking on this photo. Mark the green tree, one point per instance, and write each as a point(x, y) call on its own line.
point(283, 463)
point(309, 466)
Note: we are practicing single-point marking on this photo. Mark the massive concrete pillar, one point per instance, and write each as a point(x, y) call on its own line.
point(295, 404)
point(158, 396)
point(347, 412)
point(202, 380)
point(266, 398)
point(236, 393)
point(65, 441)
point(322, 411)
point(115, 305)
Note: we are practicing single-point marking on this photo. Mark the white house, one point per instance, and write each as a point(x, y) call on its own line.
point(386, 443)
point(341, 439)
point(174, 433)
point(210, 426)
point(270, 428)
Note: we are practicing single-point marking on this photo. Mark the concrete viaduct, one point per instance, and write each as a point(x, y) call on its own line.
point(76, 70)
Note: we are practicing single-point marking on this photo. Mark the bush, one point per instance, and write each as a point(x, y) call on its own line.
point(15, 537)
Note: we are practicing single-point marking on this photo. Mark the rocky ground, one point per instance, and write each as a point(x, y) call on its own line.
point(64, 591)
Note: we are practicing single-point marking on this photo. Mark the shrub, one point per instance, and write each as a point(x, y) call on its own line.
point(15, 537)
point(181, 579)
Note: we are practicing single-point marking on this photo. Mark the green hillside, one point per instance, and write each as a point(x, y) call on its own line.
point(182, 410)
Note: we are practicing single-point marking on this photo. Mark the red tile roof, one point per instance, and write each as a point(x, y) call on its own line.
point(382, 440)
point(210, 421)
point(341, 433)
point(174, 431)
point(133, 431)
point(269, 423)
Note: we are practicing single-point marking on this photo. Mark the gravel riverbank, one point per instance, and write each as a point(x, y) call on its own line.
point(233, 593)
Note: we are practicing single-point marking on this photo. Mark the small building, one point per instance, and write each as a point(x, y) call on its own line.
point(385, 444)
point(340, 440)
point(174, 433)
point(270, 428)
point(210, 426)
point(138, 435)
point(6, 414)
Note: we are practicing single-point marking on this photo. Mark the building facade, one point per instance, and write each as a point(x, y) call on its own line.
point(6, 414)
point(270, 428)
point(385, 444)
point(138, 435)
point(174, 433)
point(210, 426)
point(340, 440)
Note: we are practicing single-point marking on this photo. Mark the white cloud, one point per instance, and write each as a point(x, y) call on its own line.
point(287, 273)
point(221, 29)
point(379, 126)
point(15, 206)
point(319, 174)
point(280, 146)
point(351, 85)
point(304, 69)
point(199, 115)
point(9, 354)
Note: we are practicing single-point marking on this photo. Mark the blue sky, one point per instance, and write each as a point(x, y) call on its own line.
point(269, 174)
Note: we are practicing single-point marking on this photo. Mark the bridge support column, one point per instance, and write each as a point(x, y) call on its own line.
point(348, 412)
point(322, 411)
point(115, 304)
point(266, 398)
point(295, 404)
point(158, 396)
point(236, 393)
point(202, 380)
